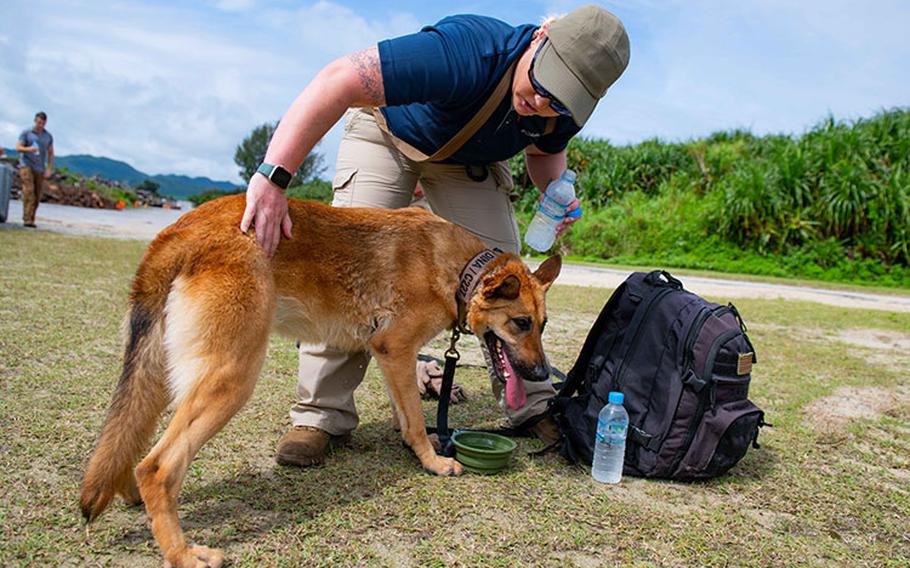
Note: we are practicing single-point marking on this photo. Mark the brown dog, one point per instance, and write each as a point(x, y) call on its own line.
point(205, 298)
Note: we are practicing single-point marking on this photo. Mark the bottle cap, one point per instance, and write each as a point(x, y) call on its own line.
point(569, 176)
point(616, 397)
point(575, 213)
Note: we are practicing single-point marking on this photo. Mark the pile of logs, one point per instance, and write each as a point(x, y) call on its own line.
point(58, 190)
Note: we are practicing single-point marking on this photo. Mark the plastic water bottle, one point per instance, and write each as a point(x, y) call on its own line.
point(550, 212)
point(610, 442)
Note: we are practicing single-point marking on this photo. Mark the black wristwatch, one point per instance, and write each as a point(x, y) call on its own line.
point(276, 174)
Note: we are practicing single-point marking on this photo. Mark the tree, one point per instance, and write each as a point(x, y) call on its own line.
point(149, 186)
point(251, 152)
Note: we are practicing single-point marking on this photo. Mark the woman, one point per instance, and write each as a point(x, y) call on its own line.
point(426, 88)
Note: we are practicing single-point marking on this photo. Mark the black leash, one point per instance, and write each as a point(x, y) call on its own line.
point(445, 394)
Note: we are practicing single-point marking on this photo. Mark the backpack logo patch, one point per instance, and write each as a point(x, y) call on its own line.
point(744, 363)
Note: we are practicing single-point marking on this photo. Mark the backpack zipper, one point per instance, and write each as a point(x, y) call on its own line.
point(700, 320)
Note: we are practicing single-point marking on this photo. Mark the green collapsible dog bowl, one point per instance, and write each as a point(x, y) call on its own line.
point(483, 452)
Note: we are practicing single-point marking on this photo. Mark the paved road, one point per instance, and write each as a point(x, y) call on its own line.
point(140, 224)
point(726, 288)
point(143, 224)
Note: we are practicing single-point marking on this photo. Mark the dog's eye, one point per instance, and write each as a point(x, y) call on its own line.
point(523, 324)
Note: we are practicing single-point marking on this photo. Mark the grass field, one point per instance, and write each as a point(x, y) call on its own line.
point(830, 485)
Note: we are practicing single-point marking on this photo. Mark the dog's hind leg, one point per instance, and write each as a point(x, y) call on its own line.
point(396, 355)
point(221, 337)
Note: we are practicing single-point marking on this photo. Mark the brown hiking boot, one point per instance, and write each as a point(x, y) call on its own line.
point(304, 446)
point(546, 430)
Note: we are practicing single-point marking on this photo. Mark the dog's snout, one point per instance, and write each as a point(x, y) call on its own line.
point(541, 372)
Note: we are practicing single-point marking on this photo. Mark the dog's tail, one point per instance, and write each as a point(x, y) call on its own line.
point(141, 394)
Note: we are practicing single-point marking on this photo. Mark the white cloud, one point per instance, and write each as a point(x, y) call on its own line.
point(170, 89)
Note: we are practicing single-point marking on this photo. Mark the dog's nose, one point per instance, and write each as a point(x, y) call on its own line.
point(541, 372)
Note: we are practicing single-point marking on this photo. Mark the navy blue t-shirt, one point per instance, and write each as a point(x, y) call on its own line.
point(437, 79)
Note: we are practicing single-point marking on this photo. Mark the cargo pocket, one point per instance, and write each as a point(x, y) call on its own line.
point(343, 187)
point(725, 434)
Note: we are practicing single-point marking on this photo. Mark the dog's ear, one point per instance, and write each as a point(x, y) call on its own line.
point(548, 270)
point(507, 289)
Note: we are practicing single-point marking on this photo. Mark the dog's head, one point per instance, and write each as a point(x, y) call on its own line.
point(509, 313)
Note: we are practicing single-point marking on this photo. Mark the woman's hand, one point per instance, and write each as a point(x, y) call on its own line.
point(570, 218)
point(267, 210)
point(355, 80)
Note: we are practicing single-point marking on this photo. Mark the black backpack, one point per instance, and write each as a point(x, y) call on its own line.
point(683, 365)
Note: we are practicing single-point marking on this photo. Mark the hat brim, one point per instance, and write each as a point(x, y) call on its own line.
point(558, 80)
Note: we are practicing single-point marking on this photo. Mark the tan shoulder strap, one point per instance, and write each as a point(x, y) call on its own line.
point(463, 135)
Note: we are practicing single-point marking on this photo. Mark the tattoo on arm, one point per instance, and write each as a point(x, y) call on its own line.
point(366, 63)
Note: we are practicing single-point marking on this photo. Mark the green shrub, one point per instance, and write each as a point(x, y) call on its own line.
point(314, 190)
point(833, 203)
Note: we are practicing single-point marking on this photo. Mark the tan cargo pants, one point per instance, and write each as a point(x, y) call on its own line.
point(371, 172)
point(32, 188)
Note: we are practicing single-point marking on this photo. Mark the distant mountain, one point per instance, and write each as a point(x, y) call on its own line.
point(114, 170)
point(173, 185)
point(184, 186)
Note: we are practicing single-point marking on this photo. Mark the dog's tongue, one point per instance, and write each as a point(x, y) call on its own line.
point(515, 388)
point(515, 393)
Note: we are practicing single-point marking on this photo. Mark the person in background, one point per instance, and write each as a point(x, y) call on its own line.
point(36, 148)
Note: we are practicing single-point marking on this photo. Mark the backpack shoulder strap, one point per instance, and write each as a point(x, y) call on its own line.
point(463, 135)
point(654, 288)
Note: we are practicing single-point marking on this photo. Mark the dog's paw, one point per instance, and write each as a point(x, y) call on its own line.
point(198, 557)
point(444, 466)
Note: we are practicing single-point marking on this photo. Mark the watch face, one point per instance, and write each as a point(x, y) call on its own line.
point(281, 177)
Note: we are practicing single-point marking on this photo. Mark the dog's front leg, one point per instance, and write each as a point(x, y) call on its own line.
point(397, 365)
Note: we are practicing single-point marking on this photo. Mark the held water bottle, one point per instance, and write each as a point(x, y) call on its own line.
point(550, 212)
point(610, 442)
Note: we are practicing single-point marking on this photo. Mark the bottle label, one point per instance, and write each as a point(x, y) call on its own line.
point(613, 433)
point(552, 208)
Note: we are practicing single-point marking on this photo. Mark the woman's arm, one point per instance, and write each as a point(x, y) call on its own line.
point(542, 167)
point(352, 81)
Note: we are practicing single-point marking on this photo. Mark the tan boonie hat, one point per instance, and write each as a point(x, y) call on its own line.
point(587, 51)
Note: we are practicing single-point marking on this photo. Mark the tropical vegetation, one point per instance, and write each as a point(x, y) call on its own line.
point(832, 204)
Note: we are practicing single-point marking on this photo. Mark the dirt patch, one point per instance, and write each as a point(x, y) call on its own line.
point(768, 520)
point(875, 339)
point(577, 559)
point(392, 548)
point(852, 403)
point(879, 348)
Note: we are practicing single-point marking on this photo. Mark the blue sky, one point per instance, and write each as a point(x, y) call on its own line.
point(172, 87)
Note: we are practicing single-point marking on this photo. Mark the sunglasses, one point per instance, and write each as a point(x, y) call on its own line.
point(538, 88)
